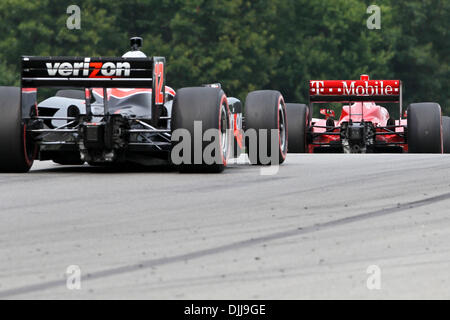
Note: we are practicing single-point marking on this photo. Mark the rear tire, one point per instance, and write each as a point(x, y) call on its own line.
point(446, 133)
point(297, 115)
point(266, 110)
point(424, 128)
point(210, 106)
point(16, 154)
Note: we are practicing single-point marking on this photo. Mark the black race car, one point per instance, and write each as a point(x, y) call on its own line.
point(118, 110)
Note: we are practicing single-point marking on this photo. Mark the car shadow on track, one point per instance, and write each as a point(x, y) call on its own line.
point(106, 169)
point(50, 167)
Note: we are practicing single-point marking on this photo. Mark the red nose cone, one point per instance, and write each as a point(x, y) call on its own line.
point(364, 77)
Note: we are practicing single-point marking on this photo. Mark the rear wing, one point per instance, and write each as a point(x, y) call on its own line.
point(348, 91)
point(86, 72)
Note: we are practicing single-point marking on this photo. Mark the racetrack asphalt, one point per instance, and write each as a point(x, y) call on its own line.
point(311, 231)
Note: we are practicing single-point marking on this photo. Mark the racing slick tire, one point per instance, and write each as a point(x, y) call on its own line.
point(424, 128)
point(197, 110)
point(297, 115)
point(265, 110)
point(446, 133)
point(16, 151)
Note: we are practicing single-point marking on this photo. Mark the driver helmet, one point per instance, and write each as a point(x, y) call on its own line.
point(136, 44)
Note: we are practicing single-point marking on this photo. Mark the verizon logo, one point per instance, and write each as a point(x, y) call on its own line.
point(89, 69)
point(355, 88)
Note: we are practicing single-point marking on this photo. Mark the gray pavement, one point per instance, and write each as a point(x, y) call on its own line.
point(310, 231)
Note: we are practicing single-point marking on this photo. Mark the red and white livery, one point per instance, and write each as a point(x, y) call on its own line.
point(364, 125)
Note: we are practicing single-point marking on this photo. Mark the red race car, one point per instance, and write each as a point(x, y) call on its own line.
point(364, 126)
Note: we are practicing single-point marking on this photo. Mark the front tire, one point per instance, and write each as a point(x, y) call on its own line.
point(266, 110)
point(16, 150)
point(208, 107)
point(446, 133)
point(297, 115)
point(424, 128)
